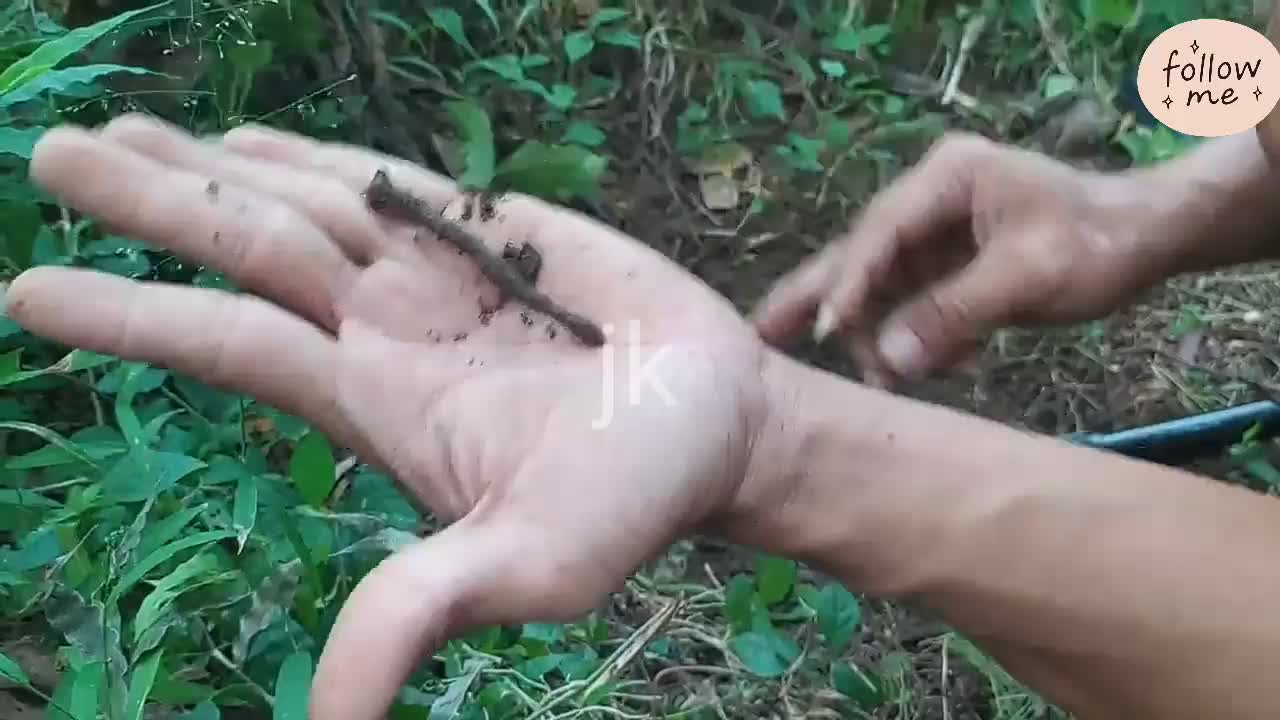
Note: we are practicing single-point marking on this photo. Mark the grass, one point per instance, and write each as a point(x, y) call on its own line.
point(735, 138)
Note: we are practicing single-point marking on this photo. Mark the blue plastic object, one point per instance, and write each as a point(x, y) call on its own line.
point(1189, 438)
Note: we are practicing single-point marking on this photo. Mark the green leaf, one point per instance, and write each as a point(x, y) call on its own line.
point(1116, 13)
point(476, 133)
point(448, 705)
point(621, 38)
point(578, 45)
point(145, 473)
point(583, 133)
point(450, 22)
point(545, 633)
point(775, 577)
point(758, 653)
point(245, 510)
point(9, 668)
point(141, 681)
point(867, 691)
point(66, 81)
point(62, 449)
point(558, 172)
point(839, 615)
point(169, 587)
point(87, 690)
point(607, 15)
point(293, 687)
point(20, 141)
point(764, 99)
point(312, 468)
point(159, 557)
point(204, 711)
point(832, 68)
point(854, 39)
point(739, 597)
point(48, 55)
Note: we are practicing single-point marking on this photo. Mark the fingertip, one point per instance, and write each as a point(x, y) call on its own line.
point(57, 153)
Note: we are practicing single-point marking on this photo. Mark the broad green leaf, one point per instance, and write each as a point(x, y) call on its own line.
point(578, 45)
point(555, 171)
point(48, 55)
point(245, 510)
point(145, 473)
point(293, 687)
point(10, 669)
point(832, 68)
point(546, 633)
point(739, 596)
point(86, 691)
point(450, 22)
point(65, 81)
point(159, 557)
point(312, 468)
point(839, 615)
point(867, 691)
point(204, 711)
point(764, 99)
point(561, 96)
point(757, 652)
point(507, 67)
point(36, 550)
point(476, 134)
point(774, 578)
point(141, 681)
point(854, 39)
point(448, 705)
point(584, 133)
point(1115, 13)
point(607, 15)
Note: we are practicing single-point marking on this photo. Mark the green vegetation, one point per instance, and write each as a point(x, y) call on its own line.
point(169, 548)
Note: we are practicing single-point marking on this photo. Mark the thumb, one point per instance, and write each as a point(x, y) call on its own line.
point(409, 606)
point(944, 323)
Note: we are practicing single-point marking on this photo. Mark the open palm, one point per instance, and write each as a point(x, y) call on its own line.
point(564, 466)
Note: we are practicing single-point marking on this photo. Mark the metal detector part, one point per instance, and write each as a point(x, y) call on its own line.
point(1189, 438)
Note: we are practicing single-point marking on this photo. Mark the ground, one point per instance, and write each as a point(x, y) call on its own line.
point(739, 211)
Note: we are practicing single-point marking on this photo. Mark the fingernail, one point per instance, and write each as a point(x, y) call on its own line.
point(825, 323)
point(901, 348)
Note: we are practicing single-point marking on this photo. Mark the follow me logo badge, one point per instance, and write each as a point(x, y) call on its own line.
point(1210, 77)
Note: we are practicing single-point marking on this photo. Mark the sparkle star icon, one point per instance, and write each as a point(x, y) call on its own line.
point(1168, 102)
point(1195, 46)
point(1257, 94)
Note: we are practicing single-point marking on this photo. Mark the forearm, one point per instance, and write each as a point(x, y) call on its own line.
point(1214, 206)
point(1117, 588)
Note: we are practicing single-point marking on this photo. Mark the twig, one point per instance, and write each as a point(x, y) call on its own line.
point(972, 30)
point(1057, 50)
point(384, 197)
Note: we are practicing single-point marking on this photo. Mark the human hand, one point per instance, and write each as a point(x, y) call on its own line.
point(976, 237)
point(563, 467)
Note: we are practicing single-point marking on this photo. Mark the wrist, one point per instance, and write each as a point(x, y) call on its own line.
point(814, 487)
point(1211, 207)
